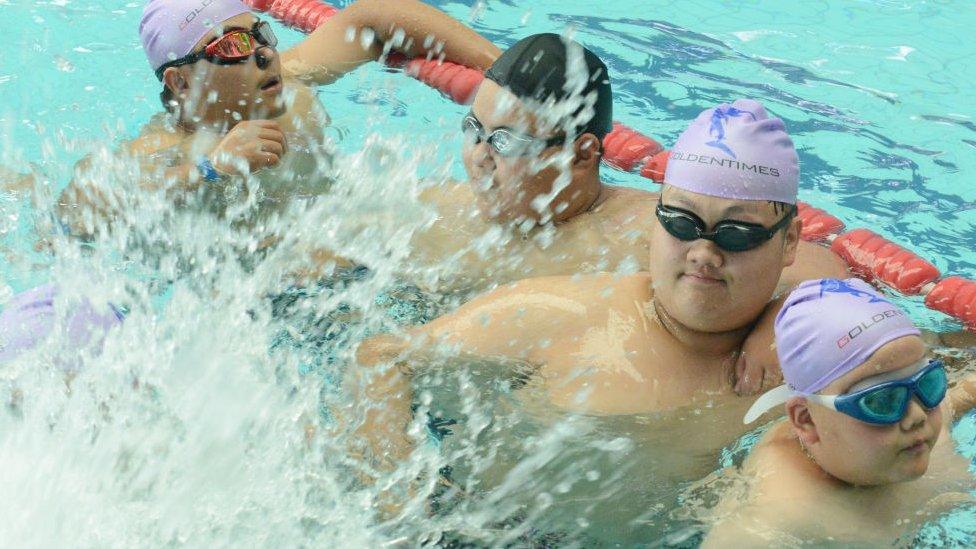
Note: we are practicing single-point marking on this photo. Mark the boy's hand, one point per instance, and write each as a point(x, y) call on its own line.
point(757, 367)
point(249, 146)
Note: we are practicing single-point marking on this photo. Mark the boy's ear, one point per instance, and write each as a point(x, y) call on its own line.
point(586, 151)
point(793, 232)
point(798, 413)
point(173, 80)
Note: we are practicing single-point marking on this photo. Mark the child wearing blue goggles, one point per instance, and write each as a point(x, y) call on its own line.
point(863, 456)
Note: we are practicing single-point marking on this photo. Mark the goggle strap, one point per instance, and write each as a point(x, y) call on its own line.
point(767, 402)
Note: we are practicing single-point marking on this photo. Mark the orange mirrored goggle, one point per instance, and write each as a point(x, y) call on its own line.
point(233, 47)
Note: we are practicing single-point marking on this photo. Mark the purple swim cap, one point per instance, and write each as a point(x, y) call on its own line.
point(736, 151)
point(170, 28)
point(826, 328)
point(28, 318)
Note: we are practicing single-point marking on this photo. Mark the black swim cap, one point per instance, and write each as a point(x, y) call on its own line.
point(535, 68)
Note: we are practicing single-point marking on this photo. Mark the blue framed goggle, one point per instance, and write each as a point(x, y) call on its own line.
point(887, 402)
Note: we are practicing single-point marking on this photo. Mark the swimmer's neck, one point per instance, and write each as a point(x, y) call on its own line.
point(583, 201)
point(707, 344)
point(586, 198)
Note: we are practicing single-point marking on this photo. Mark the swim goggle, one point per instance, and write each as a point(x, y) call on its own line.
point(729, 235)
point(886, 403)
point(882, 403)
point(506, 142)
point(233, 47)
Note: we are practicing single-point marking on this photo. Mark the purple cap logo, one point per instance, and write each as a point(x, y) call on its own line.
point(720, 115)
point(834, 286)
point(757, 159)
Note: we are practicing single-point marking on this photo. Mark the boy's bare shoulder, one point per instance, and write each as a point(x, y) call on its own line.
point(776, 509)
point(153, 138)
point(781, 467)
point(628, 212)
point(784, 484)
point(627, 200)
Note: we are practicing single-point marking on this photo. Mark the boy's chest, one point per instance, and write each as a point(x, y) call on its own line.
point(624, 366)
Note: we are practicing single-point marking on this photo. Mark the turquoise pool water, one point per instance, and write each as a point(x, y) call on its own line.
point(878, 96)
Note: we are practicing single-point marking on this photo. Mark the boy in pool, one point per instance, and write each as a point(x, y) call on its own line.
point(865, 435)
point(237, 107)
point(655, 340)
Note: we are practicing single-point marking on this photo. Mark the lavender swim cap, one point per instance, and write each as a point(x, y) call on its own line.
point(28, 318)
point(170, 28)
point(826, 328)
point(736, 151)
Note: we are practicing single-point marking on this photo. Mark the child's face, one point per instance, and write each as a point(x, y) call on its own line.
point(710, 289)
point(866, 454)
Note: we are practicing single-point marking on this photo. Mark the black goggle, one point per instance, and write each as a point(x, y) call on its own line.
point(729, 235)
point(504, 141)
point(230, 48)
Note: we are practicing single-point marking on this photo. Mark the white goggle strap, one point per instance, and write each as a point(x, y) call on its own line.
point(768, 401)
point(827, 401)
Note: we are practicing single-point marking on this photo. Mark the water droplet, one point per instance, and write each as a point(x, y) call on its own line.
point(63, 64)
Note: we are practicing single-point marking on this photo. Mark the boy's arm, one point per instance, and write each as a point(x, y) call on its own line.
point(750, 526)
point(411, 27)
point(501, 323)
point(962, 396)
point(249, 146)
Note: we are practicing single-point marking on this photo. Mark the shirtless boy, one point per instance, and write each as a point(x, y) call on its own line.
point(864, 455)
point(236, 107)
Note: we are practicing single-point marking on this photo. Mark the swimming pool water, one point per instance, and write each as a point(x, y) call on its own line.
point(877, 95)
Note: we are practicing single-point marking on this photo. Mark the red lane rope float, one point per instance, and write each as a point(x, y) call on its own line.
point(956, 297)
point(454, 81)
point(868, 254)
point(653, 167)
point(818, 225)
point(875, 258)
point(624, 147)
point(304, 15)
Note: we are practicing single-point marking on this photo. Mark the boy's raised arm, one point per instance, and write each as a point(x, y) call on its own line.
point(356, 35)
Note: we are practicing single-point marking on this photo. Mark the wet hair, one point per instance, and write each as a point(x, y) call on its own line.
point(535, 68)
point(780, 207)
point(790, 209)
